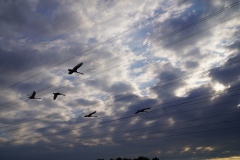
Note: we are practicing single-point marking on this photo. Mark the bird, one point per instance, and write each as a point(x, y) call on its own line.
point(142, 110)
point(33, 96)
point(91, 114)
point(56, 94)
point(75, 69)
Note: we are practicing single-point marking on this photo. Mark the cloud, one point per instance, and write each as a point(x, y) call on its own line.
point(193, 104)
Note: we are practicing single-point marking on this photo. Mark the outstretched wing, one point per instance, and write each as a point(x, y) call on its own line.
point(147, 108)
point(55, 96)
point(33, 94)
point(92, 113)
point(77, 66)
point(137, 112)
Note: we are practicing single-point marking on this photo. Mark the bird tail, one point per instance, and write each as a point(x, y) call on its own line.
point(70, 71)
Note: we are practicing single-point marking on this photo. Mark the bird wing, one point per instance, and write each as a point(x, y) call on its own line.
point(33, 94)
point(55, 96)
point(92, 113)
point(147, 108)
point(137, 112)
point(77, 66)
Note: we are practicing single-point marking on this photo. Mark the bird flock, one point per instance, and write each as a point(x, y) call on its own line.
point(71, 71)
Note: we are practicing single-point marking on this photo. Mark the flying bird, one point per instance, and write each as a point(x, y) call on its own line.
point(75, 69)
point(33, 96)
point(56, 94)
point(142, 110)
point(91, 114)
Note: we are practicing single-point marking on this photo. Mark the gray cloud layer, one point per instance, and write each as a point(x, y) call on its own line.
point(194, 109)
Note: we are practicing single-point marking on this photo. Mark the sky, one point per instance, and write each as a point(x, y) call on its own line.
point(178, 58)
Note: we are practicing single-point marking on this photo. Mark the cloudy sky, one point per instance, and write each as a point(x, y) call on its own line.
point(180, 58)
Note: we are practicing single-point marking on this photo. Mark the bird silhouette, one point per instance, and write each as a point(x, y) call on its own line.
point(91, 114)
point(75, 69)
point(142, 110)
point(56, 94)
point(33, 96)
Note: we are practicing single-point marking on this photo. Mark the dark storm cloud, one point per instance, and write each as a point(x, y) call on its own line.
point(120, 87)
point(28, 22)
point(168, 78)
point(34, 19)
point(40, 59)
point(229, 73)
point(23, 23)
